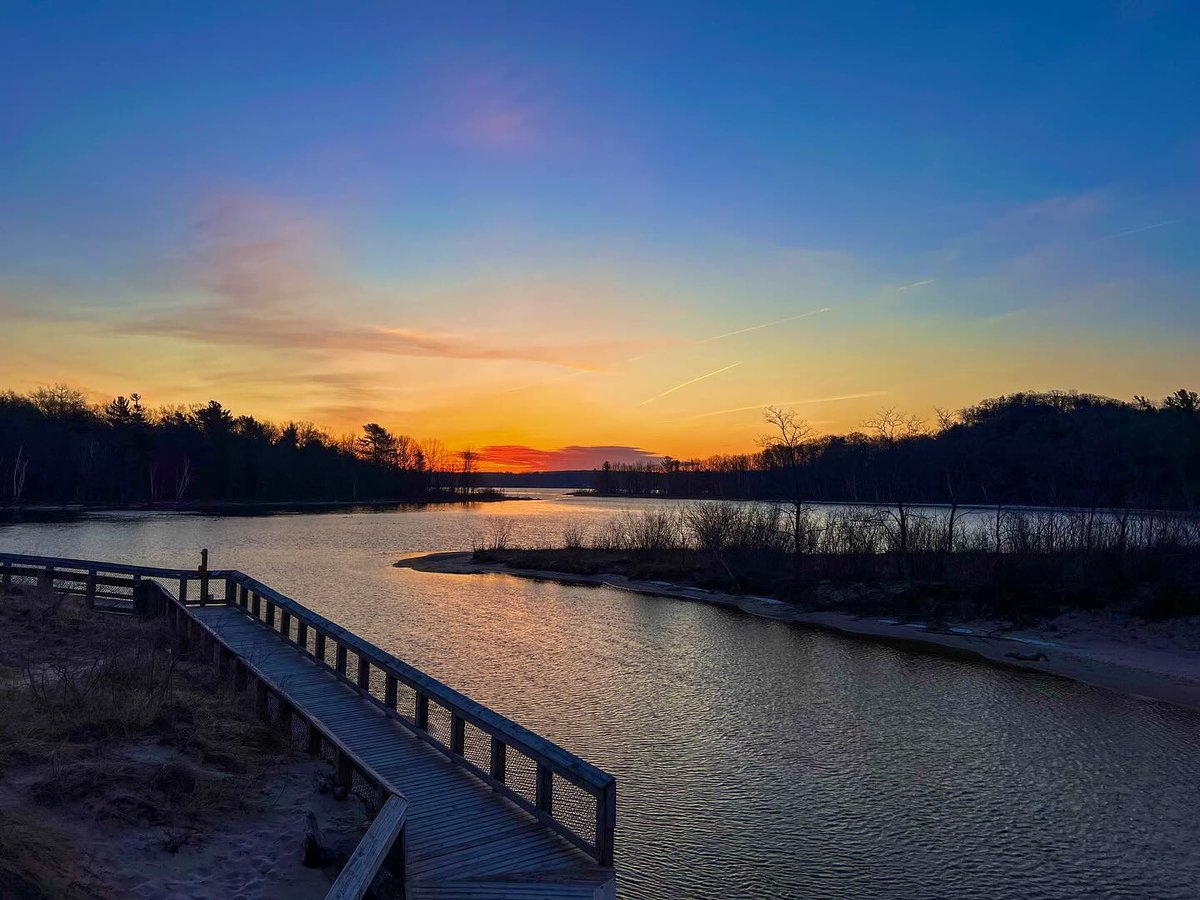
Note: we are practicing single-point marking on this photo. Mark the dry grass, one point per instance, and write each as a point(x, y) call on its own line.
point(114, 720)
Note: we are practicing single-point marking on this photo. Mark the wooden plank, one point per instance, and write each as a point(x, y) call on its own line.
point(372, 850)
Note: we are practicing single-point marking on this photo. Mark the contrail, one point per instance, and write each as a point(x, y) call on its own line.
point(721, 412)
point(686, 383)
point(915, 284)
point(721, 337)
point(1109, 237)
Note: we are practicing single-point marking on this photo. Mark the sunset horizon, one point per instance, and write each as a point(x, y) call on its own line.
point(546, 233)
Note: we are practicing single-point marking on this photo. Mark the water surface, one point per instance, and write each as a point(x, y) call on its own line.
point(753, 759)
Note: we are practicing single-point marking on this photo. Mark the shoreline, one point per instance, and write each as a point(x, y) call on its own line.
point(1109, 664)
point(211, 507)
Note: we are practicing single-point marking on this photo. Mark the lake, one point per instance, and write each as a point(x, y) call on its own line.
point(753, 759)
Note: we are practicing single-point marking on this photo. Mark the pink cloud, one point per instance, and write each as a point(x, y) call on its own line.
point(519, 457)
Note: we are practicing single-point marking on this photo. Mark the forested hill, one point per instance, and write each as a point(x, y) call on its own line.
point(1057, 448)
point(57, 448)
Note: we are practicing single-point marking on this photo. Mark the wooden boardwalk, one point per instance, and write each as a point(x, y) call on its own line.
point(463, 839)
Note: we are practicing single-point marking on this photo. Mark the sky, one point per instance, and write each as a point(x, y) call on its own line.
point(564, 232)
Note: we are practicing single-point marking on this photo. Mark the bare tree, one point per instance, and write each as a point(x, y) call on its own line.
point(468, 466)
point(183, 477)
point(891, 426)
point(20, 469)
point(437, 461)
point(786, 446)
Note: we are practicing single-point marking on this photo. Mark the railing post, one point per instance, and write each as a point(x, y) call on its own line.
point(364, 674)
point(46, 580)
point(256, 605)
point(396, 860)
point(606, 820)
point(421, 713)
point(313, 745)
point(183, 583)
point(202, 571)
point(343, 769)
point(91, 588)
point(243, 596)
point(341, 658)
point(499, 749)
point(545, 787)
point(319, 646)
point(270, 615)
point(230, 595)
point(458, 733)
point(389, 691)
point(285, 623)
point(302, 634)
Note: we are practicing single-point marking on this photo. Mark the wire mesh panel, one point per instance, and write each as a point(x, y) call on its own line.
point(477, 746)
point(376, 682)
point(520, 774)
point(439, 722)
point(406, 701)
point(352, 666)
point(575, 808)
point(367, 790)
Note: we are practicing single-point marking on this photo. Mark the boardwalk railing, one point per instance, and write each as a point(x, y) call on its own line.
point(567, 794)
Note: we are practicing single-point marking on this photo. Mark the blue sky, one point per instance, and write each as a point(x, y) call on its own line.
point(615, 180)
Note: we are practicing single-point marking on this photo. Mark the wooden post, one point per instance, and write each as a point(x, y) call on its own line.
point(499, 749)
point(91, 588)
point(458, 734)
point(139, 598)
point(343, 770)
point(606, 819)
point(183, 583)
point(302, 634)
point(230, 588)
point(545, 787)
point(319, 646)
point(7, 577)
point(421, 713)
point(313, 746)
point(47, 580)
point(364, 674)
point(203, 572)
point(396, 860)
point(270, 615)
point(341, 659)
point(243, 596)
point(285, 623)
point(389, 691)
point(256, 605)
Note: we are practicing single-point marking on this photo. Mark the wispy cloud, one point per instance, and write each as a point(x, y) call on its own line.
point(265, 273)
point(914, 285)
point(759, 327)
point(802, 402)
point(1121, 234)
point(690, 381)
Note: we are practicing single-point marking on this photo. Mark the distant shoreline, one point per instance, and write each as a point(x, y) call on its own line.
point(250, 506)
point(1105, 661)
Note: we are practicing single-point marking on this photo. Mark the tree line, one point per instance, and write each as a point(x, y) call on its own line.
point(57, 448)
point(1058, 448)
